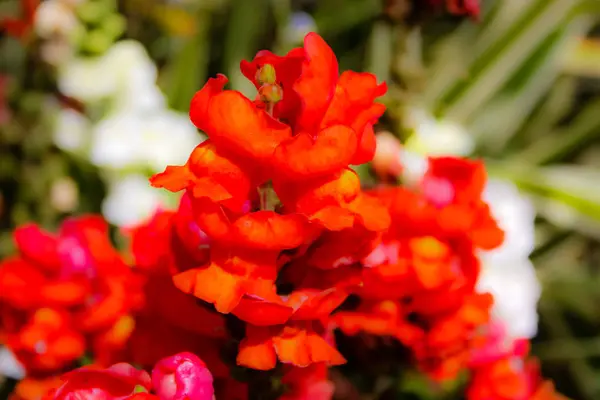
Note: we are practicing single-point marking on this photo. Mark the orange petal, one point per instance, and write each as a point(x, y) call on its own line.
point(211, 219)
point(373, 214)
point(65, 293)
point(269, 230)
point(262, 313)
point(367, 145)
point(316, 304)
point(236, 123)
point(321, 351)
point(216, 166)
point(256, 349)
point(174, 178)
point(302, 157)
point(213, 285)
point(292, 347)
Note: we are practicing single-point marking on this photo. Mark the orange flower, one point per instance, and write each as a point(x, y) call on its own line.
point(299, 344)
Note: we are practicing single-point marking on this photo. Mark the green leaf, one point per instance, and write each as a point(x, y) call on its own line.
point(248, 21)
point(188, 68)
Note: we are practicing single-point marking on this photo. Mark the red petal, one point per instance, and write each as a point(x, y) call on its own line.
point(213, 285)
point(237, 124)
point(302, 157)
point(38, 246)
point(174, 178)
point(269, 230)
point(316, 85)
point(262, 313)
point(200, 101)
point(366, 146)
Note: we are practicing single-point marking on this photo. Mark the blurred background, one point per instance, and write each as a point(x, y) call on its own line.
point(94, 97)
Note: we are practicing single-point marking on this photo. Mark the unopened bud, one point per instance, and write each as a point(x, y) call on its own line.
point(271, 93)
point(183, 376)
point(266, 75)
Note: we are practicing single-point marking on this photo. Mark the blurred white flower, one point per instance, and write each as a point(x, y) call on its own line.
point(516, 292)
point(9, 366)
point(414, 166)
point(125, 74)
point(131, 200)
point(515, 215)
point(299, 25)
point(130, 140)
point(437, 137)
point(507, 272)
point(71, 130)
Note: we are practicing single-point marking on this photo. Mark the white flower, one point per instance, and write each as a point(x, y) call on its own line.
point(71, 131)
point(9, 366)
point(437, 137)
point(515, 214)
point(507, 272)
point(516, 292)
point(131, 200)
point(125, 74)
point(169, 139)
point(131, 140)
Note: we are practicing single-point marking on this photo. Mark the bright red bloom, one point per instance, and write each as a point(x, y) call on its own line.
point(63, 290)
point(114, 383)
point(183, 376)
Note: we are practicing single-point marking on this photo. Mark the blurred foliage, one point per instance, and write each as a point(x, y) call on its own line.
point(524, 82)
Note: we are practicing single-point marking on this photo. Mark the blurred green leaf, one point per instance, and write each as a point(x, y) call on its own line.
point(188, 68)
point(246, 27)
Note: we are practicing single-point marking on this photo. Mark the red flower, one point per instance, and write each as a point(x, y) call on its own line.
point(47, 342)
point(182, 377)
point(63, 290)
point(117, 382)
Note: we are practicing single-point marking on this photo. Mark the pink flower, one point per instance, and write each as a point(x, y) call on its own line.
point(183, 376)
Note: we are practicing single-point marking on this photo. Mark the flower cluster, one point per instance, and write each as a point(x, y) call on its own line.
point(63, 294)
point(274, 254)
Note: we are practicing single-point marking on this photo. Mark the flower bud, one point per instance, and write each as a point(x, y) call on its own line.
point(271, 93)
point(266, 75)
point(183, 376)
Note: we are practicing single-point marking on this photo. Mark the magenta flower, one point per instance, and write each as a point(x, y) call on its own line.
point(183, 376)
